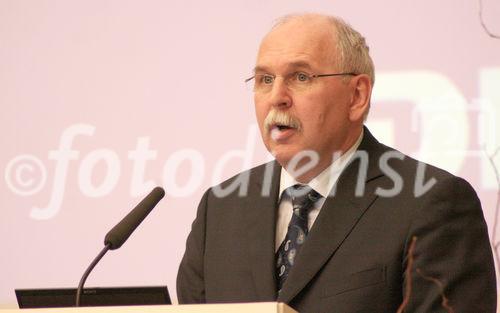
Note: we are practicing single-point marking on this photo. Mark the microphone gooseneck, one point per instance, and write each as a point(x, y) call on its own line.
point(87, 273)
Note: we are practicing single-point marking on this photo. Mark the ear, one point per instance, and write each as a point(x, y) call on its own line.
point(360, 100)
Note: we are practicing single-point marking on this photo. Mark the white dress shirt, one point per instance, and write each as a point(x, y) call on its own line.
point(322, 184)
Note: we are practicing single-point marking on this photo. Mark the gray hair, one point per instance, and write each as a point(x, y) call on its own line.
point(352, 51)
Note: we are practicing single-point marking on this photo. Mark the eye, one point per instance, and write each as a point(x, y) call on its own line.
point(266, 79)
point(302, 77)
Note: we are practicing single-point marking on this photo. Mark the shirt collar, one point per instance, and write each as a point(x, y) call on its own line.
point(325, 180)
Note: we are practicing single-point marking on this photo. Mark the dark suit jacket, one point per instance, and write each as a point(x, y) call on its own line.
point(356, 253)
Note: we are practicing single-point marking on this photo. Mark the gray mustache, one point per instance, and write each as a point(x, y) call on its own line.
point(281, 118)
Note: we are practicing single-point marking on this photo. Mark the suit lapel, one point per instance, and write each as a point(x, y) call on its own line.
point(261, 222)
point(338, 216)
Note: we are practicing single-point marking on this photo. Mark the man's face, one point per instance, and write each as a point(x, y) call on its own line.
point(321, 111)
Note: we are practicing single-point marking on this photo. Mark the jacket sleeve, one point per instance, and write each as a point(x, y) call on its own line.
point(190, 277)
point(452, 248)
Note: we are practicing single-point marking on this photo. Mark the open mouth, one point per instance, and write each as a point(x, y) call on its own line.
point(283, 127)
point(280, 132)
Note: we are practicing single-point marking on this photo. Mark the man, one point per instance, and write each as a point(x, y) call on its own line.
point(340, 222)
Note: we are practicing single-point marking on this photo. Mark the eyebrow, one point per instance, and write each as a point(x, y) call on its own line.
point(292, 65)
point(300, 64)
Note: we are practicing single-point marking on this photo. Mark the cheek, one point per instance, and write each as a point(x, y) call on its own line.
point(317, 113)
point(261, 112)
point(322, 116)
point(259, 107)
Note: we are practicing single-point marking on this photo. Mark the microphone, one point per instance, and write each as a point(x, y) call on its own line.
point(119, 234)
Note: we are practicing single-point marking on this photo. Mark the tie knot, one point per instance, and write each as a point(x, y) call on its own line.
point(303, 197)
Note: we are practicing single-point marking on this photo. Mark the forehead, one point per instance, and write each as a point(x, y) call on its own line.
point(298, 43)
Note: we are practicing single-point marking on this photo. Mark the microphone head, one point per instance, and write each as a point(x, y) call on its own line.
point(120, 233)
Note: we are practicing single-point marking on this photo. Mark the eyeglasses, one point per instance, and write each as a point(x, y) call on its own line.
point(297, 81)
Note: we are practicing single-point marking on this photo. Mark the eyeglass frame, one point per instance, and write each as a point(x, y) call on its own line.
point(301, 72)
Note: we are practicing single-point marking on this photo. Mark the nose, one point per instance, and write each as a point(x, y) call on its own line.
point(279, 95)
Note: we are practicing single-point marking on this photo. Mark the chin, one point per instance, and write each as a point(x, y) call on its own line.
point(281, 155)
point(281, 159)
point(284, 154)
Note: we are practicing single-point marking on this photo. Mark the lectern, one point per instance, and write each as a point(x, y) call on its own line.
point(262, 307)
